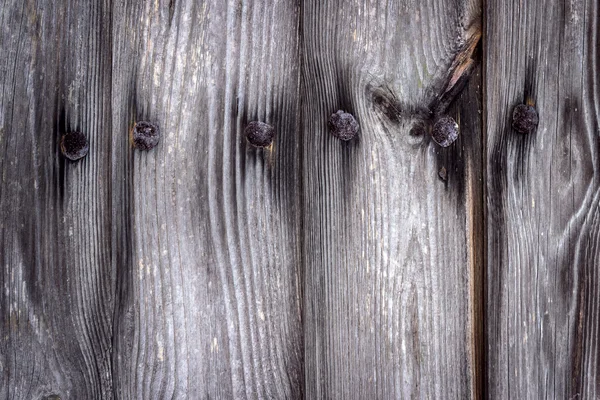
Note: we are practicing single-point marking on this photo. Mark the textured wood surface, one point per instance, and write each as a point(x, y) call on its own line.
point(543, 201)
point(168, 274)
point(389, 246)
point(206, 268)
point(57, 279)
point(213, 305)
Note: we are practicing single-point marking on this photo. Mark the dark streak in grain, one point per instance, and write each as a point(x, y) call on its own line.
point(171, 11)
point(60, 126)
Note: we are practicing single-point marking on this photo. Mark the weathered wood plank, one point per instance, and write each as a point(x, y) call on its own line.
point(212, 294)
point(543, 200)
point(391, 252)
point(57, 277)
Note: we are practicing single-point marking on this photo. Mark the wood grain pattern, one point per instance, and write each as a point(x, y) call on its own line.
point(180, 272)
point(214, 291)
point(543, 201)
point(208, 269)
point(390, 270)
point(57, 277)
point(173, 273)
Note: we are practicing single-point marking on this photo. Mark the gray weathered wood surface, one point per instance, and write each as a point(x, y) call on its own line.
point(211, 291)
point(205, 268)
point(169, 274)
point(389, 251)
point(543, 199)
point(57, 227)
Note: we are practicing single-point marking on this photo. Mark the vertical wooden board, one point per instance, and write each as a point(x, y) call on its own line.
point(543, 200)
point(57, 284)
point(211, 298)
point(392, 250)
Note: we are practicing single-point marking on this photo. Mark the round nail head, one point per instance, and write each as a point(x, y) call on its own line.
point(74, 145)
point(145, 135)
point(343, 125)
point(525, 118)
point(445, 131)
point(259, 134)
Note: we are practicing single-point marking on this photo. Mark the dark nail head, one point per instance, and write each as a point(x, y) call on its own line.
point(74, 145)
point(343, 125)
point(444, 131)
point(145, 135)
point(525, 118)
point(259, 134)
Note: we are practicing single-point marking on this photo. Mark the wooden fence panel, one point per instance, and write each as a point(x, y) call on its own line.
point(212, 295)
point(57, 278)
point(543, 200)
point(391, 249)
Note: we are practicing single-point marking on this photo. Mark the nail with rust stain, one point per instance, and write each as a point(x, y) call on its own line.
point(445, 131)
point(259, 134)
point(145, 135)
point(74, 145)
point(525, 118)
point(343, 125)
